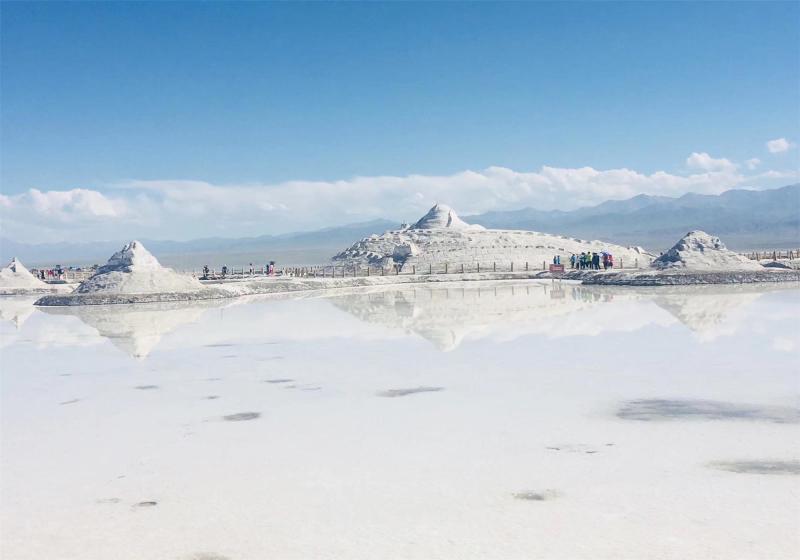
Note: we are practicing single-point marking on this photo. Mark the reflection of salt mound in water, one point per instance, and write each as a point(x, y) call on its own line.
point(445, 316)
point(710, 311)
point(137, 329)
point(15, 275)
point(16, 310)
point(134, 270)
point(698, 250)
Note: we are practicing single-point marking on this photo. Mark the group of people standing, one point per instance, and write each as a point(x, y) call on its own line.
point(592, 261)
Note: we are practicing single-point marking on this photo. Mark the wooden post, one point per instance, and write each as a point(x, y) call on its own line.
point(445, 268)
point(382, 271)
point(544, 265)
point(479, 267)
point(430, 268)
point(512, 266)
point(413, 269)
point(494, 267)
point(462, 268)
point(526, 266)
point(367, 270)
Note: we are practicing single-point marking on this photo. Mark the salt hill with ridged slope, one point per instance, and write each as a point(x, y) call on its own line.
point(442, 237)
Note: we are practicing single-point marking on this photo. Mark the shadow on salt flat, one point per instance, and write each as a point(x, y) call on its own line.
point(146, 387)
point(542, 496)
point(758, 467)
point(410, 391)
point(281, 380)
point(647, 410)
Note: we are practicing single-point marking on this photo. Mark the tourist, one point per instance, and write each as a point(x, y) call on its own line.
point(251, 269)
point(205, 272)
point(573, 261)
point(224, 270)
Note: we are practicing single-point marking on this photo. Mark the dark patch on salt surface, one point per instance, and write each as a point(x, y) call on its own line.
point(542, 496)
point(410, 391)
point(145, 504)
point(280, 380)
point(219, 345)
point(71, 401)
point(213, 379)
point(647, 410)
point(146, 387)
point(207, 556)
point(229, 356)
point(758, 467)
point(241, 416)
point(211, 397)
point(270, 358)
point(64, 374)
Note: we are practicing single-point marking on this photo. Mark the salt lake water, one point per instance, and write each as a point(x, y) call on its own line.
point(464, 420)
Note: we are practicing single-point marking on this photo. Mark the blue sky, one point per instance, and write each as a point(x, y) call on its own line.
point(132, 101)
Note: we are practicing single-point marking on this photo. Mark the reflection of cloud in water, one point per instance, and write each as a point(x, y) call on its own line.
point(758, 467)
point(17, 309)
point(666, 409)
point(137, 329)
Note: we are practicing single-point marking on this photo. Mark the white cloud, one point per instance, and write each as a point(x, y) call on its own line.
point(752, 163)
point(180, 209)
point(705, 162)
point(779, 145)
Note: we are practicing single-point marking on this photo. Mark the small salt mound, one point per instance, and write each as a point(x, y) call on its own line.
point(442, 216)
point(698, 250)
point(15, 275)
point(134, 270)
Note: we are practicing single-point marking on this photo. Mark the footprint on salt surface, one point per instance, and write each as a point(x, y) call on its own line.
point(219, 345)
point(538, 496)
point(72, 401)
point(207, 556)
point(280, 380)
point(241, 416)
point(409, 391)
point(146, 387)
point(758, 467)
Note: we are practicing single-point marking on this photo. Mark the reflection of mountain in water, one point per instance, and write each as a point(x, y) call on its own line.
point(16, 309)
point(447, 315)
point(137, 329)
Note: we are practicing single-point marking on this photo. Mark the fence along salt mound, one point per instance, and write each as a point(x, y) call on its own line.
point(15, 275)
point(697, 250)
point(134, 270)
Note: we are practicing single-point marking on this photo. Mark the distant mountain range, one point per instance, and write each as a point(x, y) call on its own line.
point(744, 219)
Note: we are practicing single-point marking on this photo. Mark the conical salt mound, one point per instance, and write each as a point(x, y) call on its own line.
point(15, 275)
point(441, 216)
point(134, 270)
point(698, 250)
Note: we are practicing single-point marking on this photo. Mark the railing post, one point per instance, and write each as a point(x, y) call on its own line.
point(413, 269)
point(479, 267)
point(445, 268)
point(494, 267)
point(526, 266)
point(512, 266)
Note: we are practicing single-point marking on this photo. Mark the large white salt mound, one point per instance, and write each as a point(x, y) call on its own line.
point(442, 216)
point(134, 270)
point(15, 275)
point(698, 250)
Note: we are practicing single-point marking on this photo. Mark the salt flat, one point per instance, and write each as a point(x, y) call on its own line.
point(494, 420)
